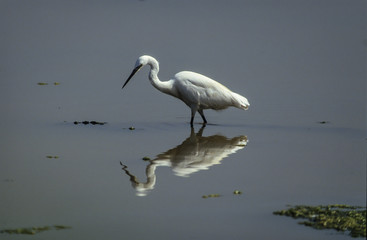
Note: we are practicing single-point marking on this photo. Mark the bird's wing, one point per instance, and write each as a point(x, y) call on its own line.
point(199, 80)
point(197, 89)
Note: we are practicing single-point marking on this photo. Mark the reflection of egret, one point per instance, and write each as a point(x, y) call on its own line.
point(194, 154)
point(198, 92)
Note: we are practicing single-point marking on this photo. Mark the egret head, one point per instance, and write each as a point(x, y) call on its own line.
point(141, 62)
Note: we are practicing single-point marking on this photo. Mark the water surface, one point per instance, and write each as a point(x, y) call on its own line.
point(301, 64)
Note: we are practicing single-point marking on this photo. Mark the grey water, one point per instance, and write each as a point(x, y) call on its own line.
point(301, 64)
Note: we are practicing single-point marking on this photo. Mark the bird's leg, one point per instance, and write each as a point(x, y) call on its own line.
point(193, 111)
point(202, 115)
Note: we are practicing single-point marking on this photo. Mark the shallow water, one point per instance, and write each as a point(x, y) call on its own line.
point(299, 63)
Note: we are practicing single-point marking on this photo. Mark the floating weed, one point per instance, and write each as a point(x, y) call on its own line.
point(33, 230)
point(340, 217)
point(130, 128)
point(97, 123)
point(49, 156)
point(146, 158)
point(90, 122)
point(45, 83)
point(323, 122)
point(61, 227)
point(211, 196)
point(235, 192)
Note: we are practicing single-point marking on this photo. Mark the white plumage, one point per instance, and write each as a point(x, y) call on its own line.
point(197, 91)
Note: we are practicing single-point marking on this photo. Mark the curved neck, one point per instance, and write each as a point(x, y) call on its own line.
point(154, 80)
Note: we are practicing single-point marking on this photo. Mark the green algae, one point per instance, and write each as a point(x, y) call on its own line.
point(211, 196)
point(61, 227)
point(45, 83)
point(90, 122)
point(216, 195)
point(340, 217)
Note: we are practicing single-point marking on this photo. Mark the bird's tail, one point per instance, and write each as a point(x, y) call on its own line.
point(240, 101)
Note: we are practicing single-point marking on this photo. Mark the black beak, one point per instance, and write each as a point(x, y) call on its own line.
point(132, 74)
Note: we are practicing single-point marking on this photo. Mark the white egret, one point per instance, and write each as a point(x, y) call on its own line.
point(197, 91)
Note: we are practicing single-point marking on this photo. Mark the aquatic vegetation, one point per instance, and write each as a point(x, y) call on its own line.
point(340, 217)
point(235, 192)
point(34, 230)
point(45, 83)
point(146, 158)
point(130, 128)
point(323, 122)
point(90, 122)
point(211, 196)
point(61, 227)
point(49, 156)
